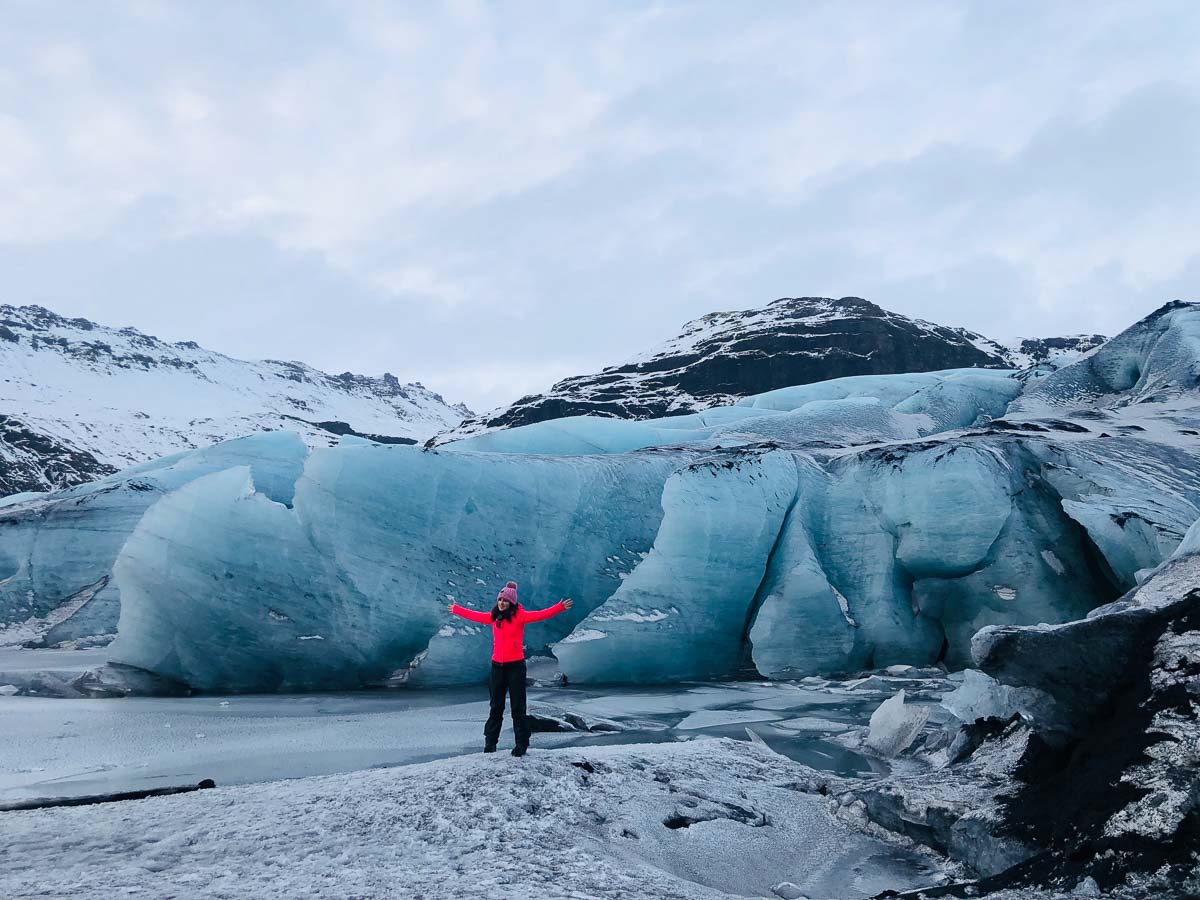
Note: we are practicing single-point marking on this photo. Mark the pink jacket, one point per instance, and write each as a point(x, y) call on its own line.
point(508, 639)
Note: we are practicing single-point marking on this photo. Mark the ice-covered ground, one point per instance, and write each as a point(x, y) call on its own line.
point(55, 747)
point(71, 747)
point(701, 818)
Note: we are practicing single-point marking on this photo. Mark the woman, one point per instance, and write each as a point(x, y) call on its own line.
point(508, 620)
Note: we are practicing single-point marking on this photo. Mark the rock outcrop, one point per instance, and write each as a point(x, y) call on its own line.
point(1099, 790)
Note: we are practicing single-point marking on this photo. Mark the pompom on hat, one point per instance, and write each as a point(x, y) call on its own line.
point(509, 593)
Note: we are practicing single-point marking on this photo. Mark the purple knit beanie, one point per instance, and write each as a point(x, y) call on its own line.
point(509, 593)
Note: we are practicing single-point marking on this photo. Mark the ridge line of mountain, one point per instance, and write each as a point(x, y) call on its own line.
point(723, 356)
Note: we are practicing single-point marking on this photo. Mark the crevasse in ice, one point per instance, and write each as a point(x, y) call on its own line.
point(845, 525)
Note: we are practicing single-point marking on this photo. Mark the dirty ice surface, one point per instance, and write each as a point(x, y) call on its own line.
point(696, 819)
point(55, 747)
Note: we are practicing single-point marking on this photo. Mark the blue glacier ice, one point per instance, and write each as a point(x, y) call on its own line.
point(350, 584)
point(844, 411)
point(217, 551)
point(801, 623)
point(886, 563)
point(680, 614)
point(1157, 357)
point(683, 564)
point(57, 550)
point(833, 527)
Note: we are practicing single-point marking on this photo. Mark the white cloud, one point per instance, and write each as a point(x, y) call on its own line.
point(576, 182)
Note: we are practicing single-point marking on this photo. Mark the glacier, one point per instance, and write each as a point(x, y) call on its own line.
point(57, 550)
point(832, 527)
point(842, 411)
point(349, 585)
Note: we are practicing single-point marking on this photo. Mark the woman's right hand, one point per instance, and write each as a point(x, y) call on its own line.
point(450, 608)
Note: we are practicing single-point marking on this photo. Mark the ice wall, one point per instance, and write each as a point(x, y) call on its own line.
point(226, 590)
point(57, 550)
point(801, 623)
point(683, 564)
point(881, 559)
point(979, 538)
point(222, 590)
point(407, 525)
point(682, 612)
point(830, 527)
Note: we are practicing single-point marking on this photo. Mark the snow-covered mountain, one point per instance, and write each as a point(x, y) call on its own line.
point(80, 400)
point(724, 356)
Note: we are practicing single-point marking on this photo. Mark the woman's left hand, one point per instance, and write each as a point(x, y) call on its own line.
point(568, 603)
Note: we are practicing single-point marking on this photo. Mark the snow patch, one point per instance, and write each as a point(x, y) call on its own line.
point(640, 615)
point(1053, 562)
point(844, 606)
point(583, 634)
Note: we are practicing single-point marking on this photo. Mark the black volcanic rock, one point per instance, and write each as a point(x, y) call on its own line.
point(31, 461)
point(1120, 803)
point(1101, 791)
point(1040, 350)
point(724, 356)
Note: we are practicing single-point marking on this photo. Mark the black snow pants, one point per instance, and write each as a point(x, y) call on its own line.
point(507, 678)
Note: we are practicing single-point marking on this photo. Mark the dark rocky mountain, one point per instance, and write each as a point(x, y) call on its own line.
point(724, 356)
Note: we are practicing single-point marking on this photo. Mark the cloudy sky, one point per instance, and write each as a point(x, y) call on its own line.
point(486, 197)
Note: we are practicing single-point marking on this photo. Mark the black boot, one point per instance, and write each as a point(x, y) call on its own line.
point(489, 748)
point(519, 750)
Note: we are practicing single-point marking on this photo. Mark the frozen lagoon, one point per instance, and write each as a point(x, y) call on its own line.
point(57, 747)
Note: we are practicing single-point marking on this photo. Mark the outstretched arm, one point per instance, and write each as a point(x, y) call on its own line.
point(536, 615)
point(473, 614)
